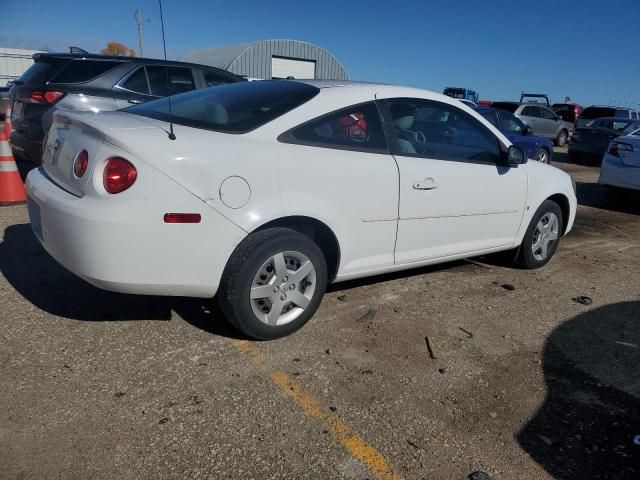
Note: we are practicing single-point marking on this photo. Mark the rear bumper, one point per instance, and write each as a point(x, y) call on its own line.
point(126, 247)
point(617, 174)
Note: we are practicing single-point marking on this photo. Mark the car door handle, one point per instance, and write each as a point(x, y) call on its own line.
point(134, 100)
point(425, 184)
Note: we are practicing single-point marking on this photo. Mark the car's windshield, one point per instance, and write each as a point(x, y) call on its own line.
point(511, 124)
point(631, 128)
point(597, 112)
point(233, 108)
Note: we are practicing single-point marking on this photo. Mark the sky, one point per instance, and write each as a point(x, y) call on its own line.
point(583, 49)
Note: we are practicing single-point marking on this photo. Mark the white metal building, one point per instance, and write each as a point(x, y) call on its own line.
point(13, 63)
point(268, 59)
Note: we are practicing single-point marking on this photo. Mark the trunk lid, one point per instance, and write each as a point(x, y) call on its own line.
point(630, 158)
point(72, 132)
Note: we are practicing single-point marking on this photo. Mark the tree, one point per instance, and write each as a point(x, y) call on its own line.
point(116, 48)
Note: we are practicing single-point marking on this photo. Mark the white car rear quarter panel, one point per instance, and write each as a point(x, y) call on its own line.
point(121, 243)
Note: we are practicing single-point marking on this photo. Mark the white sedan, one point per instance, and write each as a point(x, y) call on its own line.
point(270, 190)
point(621, 164)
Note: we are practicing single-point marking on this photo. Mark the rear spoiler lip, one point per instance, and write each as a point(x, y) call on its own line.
point(71, 119)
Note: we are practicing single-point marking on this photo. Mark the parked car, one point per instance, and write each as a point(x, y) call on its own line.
point(593, 112)
point(537, 148)
point(569, 112)
point(272, 189)
point(462, 94)
point(4, 101)
point(537, 98)
point(590, 143)
point(94, 83)
point(542, 120)
point(621, 165)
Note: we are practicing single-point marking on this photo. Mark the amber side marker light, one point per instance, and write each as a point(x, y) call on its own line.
point(182, 218)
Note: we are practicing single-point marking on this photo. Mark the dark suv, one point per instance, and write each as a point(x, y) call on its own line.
point(95, 83)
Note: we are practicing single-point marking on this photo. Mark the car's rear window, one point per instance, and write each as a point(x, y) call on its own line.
point(509, 107)
point(590, 113)
point(41, 71)
point(233, 108)
point(80, 71)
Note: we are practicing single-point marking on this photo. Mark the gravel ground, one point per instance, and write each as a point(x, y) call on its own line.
point(526, 382)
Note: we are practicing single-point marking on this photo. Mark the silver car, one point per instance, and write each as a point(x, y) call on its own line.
point(542, 120)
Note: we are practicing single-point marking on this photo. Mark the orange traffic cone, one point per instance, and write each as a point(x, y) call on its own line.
point(11, 188)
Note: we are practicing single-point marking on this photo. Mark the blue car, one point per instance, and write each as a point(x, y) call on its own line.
point(519, 134)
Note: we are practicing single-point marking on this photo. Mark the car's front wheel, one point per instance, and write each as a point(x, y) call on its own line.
point(542, 236)
point(542, 155)
point(273, 283)
point(561, 139)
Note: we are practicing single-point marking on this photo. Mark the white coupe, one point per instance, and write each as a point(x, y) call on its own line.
point(270, 190)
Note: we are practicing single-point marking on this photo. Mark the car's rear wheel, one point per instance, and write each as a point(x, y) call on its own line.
point(542, 236)
point(542, 155)
point(561, 139)
point(273, 283)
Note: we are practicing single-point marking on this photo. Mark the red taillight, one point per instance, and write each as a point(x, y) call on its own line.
point(119, 175)
point(182, 218)
point(81, 163)
point(47, 97)
point(615, 147)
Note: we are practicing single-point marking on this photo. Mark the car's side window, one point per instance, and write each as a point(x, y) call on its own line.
point(492, 117)
point(354, 128)
point(431, 129)
point(172, 82)
point(213, 78)
point(137, 82)
point(548, 114)
point(531, 111)
point(511, 124)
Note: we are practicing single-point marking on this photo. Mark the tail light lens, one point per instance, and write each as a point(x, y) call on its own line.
point(81, 163)
point(48, 97)
point(119, 174)
point(615, 147)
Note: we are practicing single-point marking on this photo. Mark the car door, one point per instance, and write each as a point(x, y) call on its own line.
point(531, 115)
point(149, 82)
point(455, 196)
point(338, 166)
point(515, 131)
point(133, 88)
point(550, 123)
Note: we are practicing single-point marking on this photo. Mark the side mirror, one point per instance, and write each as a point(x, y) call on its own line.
point(515, 156)
point(527, 130)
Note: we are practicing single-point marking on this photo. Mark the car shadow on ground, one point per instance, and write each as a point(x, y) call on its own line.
point(589, 424)
point(48, 286)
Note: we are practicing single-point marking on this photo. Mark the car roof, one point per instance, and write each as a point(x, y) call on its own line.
point(93, 56)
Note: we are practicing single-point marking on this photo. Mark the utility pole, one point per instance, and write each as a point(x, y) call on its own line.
point(138, 16)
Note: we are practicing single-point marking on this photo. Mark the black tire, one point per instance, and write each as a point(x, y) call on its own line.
point(561, 139)
point(526, 258)
point(243, 266)
point(542, 155)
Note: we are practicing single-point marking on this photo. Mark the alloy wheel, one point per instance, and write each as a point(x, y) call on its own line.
point(546, 233)
point(282, 288)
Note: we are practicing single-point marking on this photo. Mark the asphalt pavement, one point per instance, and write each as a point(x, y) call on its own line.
point(427, 374)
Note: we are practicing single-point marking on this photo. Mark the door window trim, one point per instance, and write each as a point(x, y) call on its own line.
point(124, 79)
point(394, 144)
point(290, 138)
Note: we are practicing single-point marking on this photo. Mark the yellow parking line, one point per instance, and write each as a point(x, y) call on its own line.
point(350, 441)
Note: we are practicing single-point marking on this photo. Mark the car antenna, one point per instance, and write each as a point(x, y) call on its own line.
point(172, 136)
